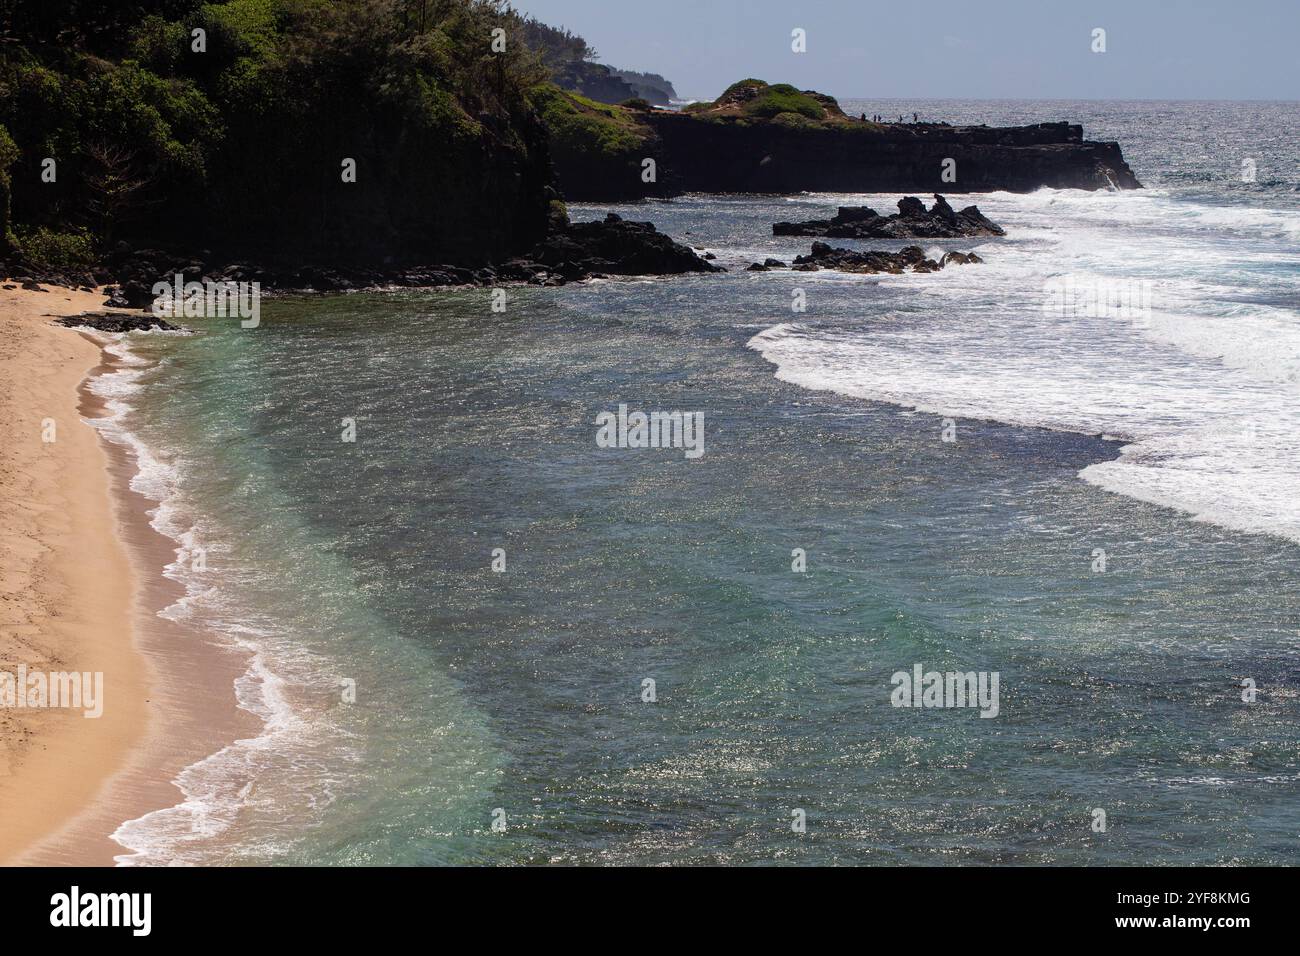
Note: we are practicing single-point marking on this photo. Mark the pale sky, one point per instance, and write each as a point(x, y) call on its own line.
point(960, 49)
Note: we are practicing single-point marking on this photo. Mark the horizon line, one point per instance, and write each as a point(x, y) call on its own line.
point(1042, 99)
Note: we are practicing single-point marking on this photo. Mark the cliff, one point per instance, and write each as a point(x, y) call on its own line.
point(775, 139)
point(649, 86)
point(595, 81)
point(571, 63)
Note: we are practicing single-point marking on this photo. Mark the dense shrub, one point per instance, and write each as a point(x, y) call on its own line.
point(794, 121)
point(8, 154)
point(47, 250)
point(580, 124)
point(242, 143)
point(783, 98)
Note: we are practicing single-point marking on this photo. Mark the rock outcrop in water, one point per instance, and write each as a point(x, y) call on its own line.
point(908, 259)
point(118, 322)
point(618, 247)
point(912, 221)
point(757, 138)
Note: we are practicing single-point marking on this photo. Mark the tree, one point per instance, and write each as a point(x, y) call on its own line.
point(114, 185)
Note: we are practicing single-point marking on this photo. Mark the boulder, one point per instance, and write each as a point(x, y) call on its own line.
point(619, 247)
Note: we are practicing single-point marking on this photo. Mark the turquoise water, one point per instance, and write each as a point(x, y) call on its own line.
point(517, 695)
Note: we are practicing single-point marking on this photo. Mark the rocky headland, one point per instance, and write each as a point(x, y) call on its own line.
point(761, 138)
point(440, 180)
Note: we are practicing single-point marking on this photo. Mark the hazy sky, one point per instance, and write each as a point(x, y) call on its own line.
point(1031, 49)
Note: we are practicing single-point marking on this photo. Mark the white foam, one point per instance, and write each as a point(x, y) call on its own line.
point(222, 786)
point(1206, 386)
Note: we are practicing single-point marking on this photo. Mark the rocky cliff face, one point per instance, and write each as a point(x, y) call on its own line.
point(740, 144)
point(595, 81)
point(649, 86)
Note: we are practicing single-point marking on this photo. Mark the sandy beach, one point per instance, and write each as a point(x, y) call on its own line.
point(80, 578)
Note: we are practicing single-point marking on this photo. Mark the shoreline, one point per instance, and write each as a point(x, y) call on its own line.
point(84, 594)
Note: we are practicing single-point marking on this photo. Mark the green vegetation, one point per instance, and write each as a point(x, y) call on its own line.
point(46, 249)
point(241, 134)
point(795, 121)
point(595, 142)
point(226, 126)
point(570, 63)
point(582, 125)
point(558, 213)
point(740, 87)
point(783, 98)
point(750, 100)
point(556, 47)
point(8, 154)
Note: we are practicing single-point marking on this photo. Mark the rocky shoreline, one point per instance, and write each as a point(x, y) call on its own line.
point(576, 252)
point(116, 322)
point(573, 252)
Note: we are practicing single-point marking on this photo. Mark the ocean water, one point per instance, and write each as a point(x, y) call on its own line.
point(1168, 440)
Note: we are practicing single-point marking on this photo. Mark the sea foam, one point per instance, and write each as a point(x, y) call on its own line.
point(1205, 388)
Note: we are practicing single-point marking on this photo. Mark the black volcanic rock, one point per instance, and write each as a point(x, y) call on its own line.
point(571, 252)
point(34, 277)
point(912, 221)
point(131, 294)
point(617, 246)
point(909, 259)
point(702, 155)
point(118, 322)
